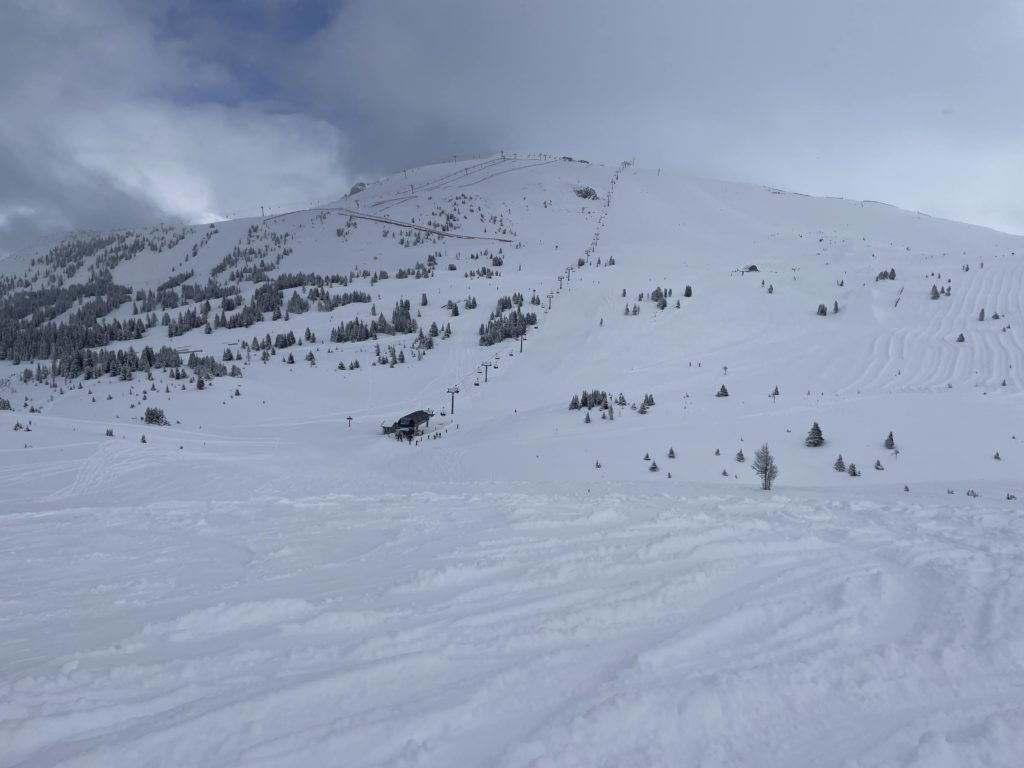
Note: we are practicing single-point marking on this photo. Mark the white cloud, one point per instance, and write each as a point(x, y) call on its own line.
point(204, 162)
point(103, 124)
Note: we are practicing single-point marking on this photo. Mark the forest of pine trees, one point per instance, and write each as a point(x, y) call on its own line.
point(594, 398)
point(402, 322)
point(29, 331)
point(510, 326)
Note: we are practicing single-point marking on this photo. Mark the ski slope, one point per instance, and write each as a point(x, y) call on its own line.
point(514, 626)
point(263, 582)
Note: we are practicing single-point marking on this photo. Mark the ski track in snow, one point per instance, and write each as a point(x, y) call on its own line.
point(927, 357)
point(518, 629)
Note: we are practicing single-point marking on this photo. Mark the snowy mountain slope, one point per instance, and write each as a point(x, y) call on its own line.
point(263, 583)
point(858, 372)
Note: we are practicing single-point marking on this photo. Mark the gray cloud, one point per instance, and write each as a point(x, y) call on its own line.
point(113, 112)
point(912, 102)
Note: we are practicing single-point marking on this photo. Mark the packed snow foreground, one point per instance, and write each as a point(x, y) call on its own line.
point(578, 566)
point(514, 627)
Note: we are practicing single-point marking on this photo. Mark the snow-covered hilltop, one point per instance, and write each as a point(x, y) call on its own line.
point(215, 555)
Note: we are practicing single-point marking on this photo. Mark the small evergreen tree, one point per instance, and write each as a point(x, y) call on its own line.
point(852, 470)
point(740, 457)
point(935, 292)
point(654, 466)
point(671, 453)
point(878, 464)
point(722, 392)
point(961, 338)
point(840, 465)
point(814, 437)
point(822, 310)
point(890, 443)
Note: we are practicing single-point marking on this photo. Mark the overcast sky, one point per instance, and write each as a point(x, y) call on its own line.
point(119, 112)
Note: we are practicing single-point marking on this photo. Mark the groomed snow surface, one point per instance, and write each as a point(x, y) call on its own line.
point(262, 583)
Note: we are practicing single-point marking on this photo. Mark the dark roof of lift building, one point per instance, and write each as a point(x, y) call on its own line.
point(414, 418)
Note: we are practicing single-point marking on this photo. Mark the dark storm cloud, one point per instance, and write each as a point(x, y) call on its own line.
point(34, 206)
point(112, 111)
